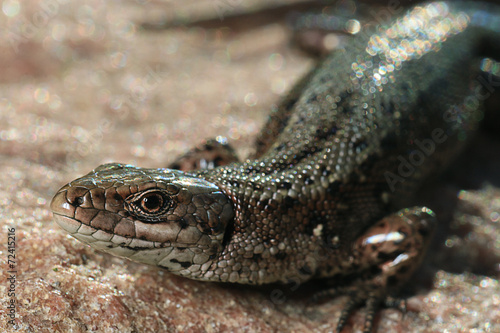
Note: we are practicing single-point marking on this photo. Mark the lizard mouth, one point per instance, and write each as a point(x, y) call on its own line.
point(173, 256)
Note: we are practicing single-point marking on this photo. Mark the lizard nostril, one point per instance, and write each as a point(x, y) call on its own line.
point(78, 201)
point(78, 196)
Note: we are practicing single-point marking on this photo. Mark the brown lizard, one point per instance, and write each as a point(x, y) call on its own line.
point(328, 193)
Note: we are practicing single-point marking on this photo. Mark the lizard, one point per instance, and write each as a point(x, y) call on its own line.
point(328, 193)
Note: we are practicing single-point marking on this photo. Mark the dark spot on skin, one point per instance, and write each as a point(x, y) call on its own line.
point(184, 264)
point(272, 204)
point(403, 270)
point(423, 231)
point(217, 229)
point(326, 133)
point(374, 270)
point(302, 119)
point(183, 223)
point(312, 98)
point(333, 188)
point(343, 104)
point(360, 146)
point(288, 202)
point(389, 106)
point(204, 227)
point(285, 185)
point(280, 147)
point(389, 142)
point(256, 257)
point(387, 256)
point(136, 248)
point(392, 280)
point(260, 205)
point(355, 267)
point(281, 255)
point(181, 248)
point(315, 220)
point(306, 152)
point(305, 270)
point(381, 255)
point(354, 177)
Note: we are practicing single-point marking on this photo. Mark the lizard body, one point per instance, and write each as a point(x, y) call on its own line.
point(326, 194)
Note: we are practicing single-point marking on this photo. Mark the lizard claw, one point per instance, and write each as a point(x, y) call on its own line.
point(356, 298)
point(373, 300)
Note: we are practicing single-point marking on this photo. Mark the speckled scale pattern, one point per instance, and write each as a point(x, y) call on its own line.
point(324, 178)
point(327, 168)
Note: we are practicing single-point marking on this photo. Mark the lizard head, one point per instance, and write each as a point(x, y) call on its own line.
point(156, 216)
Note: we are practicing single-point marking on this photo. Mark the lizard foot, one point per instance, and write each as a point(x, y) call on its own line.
point(359, 294)
point(387, 254)
point(209, 154)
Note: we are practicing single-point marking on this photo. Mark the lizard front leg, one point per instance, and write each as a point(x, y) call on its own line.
point(209, 154)
point(387, 254)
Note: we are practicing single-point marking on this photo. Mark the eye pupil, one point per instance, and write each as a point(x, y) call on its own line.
point(152, 202)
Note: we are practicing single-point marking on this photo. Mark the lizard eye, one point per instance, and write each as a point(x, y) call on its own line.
point(150, 204)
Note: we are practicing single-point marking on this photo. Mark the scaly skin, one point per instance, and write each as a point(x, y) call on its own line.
point(347, 147)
